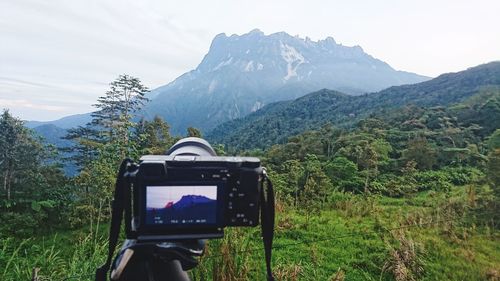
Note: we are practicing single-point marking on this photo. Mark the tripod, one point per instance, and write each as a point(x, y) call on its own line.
point(148, 261)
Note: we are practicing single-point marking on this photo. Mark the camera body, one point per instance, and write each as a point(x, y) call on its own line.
point(192, 196)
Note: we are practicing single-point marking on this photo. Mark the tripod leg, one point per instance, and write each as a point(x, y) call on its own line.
point(149, 270)
point(171, 271)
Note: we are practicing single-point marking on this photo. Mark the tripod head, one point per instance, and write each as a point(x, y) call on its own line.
point(156, 261)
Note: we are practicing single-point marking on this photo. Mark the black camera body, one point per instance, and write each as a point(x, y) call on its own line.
point(193, 197)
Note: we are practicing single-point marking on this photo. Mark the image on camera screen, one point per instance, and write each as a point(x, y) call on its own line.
point(179, 205)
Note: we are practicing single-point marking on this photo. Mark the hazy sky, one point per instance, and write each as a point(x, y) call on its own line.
point(160, 196)
point(58, 56)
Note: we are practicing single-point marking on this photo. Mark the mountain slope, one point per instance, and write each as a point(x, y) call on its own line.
point(63, 123)
point(240, 74)
point(276, 122)
point(52, 135)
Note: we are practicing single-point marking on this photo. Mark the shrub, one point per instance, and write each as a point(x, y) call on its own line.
point(462, 175)
point(432, 180)
point(17, 225)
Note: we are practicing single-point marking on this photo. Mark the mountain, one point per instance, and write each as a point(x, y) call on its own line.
point(190, 209)
point(190, 200)
point(63, 123)
point(278, 121)
point(52, 134)
point(241, 74)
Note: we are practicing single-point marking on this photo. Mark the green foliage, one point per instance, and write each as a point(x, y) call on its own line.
point(275, 123)
point(34, 195)
point(494, 140)
point(115, 108)
point(494, 170)
point(152, 137)
point(344, 174)
point(193, 132)
point(316, 185)
point(355, 236)
point(421, 152)
point(433, 180)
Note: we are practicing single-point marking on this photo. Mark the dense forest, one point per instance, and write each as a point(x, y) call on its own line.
point(398, 185)
point(275, 123)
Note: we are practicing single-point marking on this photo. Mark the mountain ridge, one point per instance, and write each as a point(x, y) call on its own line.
point(278, 121)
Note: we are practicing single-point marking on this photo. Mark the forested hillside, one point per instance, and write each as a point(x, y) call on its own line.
point(397, 185)
point(276, 122)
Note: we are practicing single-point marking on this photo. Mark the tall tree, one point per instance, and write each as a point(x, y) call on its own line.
point(153, 137)
point(420, 151)
point(494, 162)
point(111, 123)
point(116, 107)
point(86, 140)
point(19, 151)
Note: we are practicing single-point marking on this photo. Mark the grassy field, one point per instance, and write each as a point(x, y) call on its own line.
point(432, 236)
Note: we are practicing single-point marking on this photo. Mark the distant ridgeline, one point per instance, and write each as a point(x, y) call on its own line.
point(473, 94)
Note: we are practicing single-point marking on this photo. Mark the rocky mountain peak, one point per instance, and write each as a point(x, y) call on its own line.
point(242, 73)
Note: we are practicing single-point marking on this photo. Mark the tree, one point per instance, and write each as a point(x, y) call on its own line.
point(19, 151)
point(494, 140)
point(494, 170)
point(193, 132)
point(86, 141)
point(292, 171)
point(34, 195)
point(111, 123)
point(420, 151)
point(115, 108)
point(344, 174)
point(494, 162)
point(316, 184)
point(153, 137)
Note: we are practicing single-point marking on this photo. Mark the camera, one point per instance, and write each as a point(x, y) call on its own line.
point(191, 193)
point(171, 203)
point(193, 197)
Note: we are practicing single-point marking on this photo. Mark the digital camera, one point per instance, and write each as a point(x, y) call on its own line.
point(191, 193)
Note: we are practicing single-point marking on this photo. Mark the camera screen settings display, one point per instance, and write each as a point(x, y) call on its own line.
point(181, 204)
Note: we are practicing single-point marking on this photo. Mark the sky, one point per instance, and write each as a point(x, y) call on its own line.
point(57, 56)
point(160, 196)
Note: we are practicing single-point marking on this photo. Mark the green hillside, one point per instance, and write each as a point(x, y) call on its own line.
point(276, 122)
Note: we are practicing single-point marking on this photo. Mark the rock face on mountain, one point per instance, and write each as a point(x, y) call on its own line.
point(240, 74)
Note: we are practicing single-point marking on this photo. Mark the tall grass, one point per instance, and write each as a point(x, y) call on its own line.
point(70, 256)
point(365, 250)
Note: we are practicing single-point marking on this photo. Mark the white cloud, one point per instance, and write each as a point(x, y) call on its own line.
point(22, 103)
point(66, 52)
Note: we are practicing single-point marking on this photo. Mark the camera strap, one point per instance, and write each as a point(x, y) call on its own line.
point(117, 209)
point(267, 223)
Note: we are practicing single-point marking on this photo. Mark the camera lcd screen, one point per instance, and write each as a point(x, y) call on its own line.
point(181, 205)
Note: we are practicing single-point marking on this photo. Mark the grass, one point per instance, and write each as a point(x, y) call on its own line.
point(353, 238)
